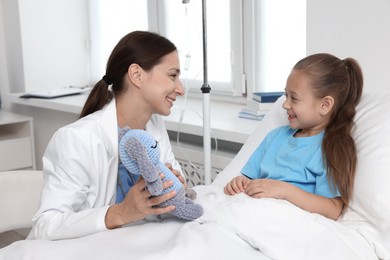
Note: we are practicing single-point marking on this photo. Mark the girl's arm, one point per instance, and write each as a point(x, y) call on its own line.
point(267, 188)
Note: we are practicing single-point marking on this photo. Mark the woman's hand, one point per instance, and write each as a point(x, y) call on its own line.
point(177, 174)
point(138, 204)
point(237, 185)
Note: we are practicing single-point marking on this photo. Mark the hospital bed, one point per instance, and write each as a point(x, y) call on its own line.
point(240, 227)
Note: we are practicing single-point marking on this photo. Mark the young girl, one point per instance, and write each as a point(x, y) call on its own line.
point(311, 162)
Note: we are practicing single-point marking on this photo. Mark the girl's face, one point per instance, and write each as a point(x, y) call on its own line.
point(162, 85)
point(304, 110)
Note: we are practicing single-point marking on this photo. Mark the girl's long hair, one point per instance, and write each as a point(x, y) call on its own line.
point(343, 80)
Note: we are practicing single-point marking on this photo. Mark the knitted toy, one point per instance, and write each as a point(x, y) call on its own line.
point(140, 154)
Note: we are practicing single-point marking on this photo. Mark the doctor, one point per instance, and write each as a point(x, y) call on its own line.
point(80, 164)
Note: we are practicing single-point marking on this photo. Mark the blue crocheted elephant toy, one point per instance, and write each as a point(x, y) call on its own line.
point(140, 154)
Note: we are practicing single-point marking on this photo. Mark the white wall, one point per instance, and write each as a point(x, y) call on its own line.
point(10, 47)
point(3, 65)
point(54, 42)
point(353, 28)
point(47, 43)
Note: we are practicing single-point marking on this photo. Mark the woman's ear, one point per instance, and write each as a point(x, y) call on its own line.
point(327, 105)
point(134, 73)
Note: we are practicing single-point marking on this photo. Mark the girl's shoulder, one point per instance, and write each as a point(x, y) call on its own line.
point(279, 133)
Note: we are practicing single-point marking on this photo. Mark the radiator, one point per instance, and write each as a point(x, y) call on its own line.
point(191, 160)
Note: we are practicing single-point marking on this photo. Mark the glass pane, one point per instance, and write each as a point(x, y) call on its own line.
point(184, 28)
point(280, 41)
point(111, 20)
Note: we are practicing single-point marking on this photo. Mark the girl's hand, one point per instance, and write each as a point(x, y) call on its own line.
point(267, 188)
point(138, 204)
point(237, 185)
point(177, 174)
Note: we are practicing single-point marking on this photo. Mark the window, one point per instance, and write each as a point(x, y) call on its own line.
point(251, 44)
point(184, 27)
point(280, 41)
point(109, 21)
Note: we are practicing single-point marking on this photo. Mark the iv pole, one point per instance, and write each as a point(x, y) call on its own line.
point(206, 103)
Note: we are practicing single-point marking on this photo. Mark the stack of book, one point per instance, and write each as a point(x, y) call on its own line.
point(261, 102)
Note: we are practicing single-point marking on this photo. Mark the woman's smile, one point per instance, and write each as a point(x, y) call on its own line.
point(171, 100)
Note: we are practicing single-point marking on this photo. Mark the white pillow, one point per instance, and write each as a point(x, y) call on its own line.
point(369, 210)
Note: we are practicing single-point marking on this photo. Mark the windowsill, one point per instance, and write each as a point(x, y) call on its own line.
point(224, 120)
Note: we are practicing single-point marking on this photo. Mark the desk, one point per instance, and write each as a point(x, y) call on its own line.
point(224, 120)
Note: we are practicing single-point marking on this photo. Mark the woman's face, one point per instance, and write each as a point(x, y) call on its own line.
point(162, 85)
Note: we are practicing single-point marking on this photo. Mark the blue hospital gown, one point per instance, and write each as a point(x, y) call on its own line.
point(298, 161)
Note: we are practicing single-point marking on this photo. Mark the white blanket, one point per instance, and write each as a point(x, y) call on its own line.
point(232, 227)
point(280, 230)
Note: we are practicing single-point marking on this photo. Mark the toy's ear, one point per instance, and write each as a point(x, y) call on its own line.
point(123, 131)
point(126, 153)
point(136, 151)
point(134, 148)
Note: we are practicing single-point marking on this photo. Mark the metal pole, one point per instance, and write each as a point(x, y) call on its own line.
point(206, 103)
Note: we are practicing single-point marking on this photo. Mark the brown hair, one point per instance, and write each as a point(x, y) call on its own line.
point(342, 80)
point(143, 48)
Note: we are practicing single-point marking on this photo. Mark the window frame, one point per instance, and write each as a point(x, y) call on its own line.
point(237, 85)
point(245, 38)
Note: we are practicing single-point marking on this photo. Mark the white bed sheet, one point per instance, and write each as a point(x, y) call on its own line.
point(170, 239)
point(281, 230)
point(167, 240)
point(232, 227)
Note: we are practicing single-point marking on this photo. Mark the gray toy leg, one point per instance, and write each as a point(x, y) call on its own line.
point(185, 207)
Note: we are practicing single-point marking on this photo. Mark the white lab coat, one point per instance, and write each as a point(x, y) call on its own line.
point(80, 168)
